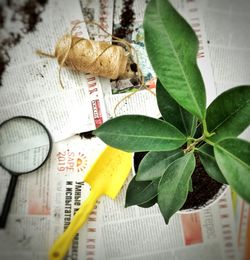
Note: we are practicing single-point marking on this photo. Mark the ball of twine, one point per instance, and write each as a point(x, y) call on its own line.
point(98, 58)
point(94, 57)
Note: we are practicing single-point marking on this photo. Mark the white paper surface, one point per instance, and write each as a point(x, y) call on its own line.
point(137, 233)
point(31, 84)
point(46, 200)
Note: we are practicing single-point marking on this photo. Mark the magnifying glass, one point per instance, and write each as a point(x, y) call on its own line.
point(25, 145)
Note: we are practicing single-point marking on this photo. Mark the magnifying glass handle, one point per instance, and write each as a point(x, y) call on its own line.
point(8, 200)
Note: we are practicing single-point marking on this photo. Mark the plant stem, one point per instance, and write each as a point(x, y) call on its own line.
point(209, 142)
point(205, 131)
point(191, 146)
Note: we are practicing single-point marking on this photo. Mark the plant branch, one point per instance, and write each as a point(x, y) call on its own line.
point(205, 130)
point(193, 144)
point(209, 142)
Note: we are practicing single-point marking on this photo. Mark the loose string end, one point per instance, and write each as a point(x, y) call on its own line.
point(45, 54)
point(60, 78)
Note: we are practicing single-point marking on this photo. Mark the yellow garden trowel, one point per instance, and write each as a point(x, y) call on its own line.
point(106, 177)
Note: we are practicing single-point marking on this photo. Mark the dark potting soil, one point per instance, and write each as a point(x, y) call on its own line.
point(28, 13)
point(126, 20)
point(87, 135)
point(204, 187)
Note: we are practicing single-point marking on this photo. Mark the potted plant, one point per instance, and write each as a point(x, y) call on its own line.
point(189, 132)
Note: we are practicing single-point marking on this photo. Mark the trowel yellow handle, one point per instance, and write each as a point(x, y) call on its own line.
point(62, 244)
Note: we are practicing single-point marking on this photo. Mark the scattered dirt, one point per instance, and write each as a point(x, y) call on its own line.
point(28, 14)
point(204, 187)
point(1, 17)
point(126, 20)
point(87, 135)
point(31, 12)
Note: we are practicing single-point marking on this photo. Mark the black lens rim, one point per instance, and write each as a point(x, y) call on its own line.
point(50, 143)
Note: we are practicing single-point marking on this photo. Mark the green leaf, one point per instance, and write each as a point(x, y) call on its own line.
point(141, 192)
point(228, 114)
point(174, 185)
point(135, 133)
point(173, 113)
point(172, 48)
point(190, 186)
point(149, 203)
point(154, 164)
point(206, 155)
point(233, 158)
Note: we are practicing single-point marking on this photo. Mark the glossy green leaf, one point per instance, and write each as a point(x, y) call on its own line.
point(206, 155)
point(149, 203)
point(233, 158)
point(141, 192)
point(173, 113)
point(190, 186)
point(136, 133)
point(172, 48)
point(154, 164)
point(174, 185)
point(229, 114)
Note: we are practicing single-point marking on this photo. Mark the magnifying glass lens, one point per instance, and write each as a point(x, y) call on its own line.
point(24, 145)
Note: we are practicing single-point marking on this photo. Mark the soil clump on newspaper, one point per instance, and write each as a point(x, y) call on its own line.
point(87, 135)
point(204, 187)
point(28, 14)
point(126, 20)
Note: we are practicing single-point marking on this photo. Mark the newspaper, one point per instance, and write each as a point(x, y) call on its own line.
point(31, 84)
point(137, 233)
point(242, 220)
point(228, 44)
point(46, 200)
point(101, 12)
point(230, 57)
point(10, 250)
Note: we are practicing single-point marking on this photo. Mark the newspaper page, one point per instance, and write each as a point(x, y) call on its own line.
point(230, 56)
point(137, 233)
point(101, 12)
point(31, 84)
point(45, 201)
point(228, 38)
point(10, 250)
point(72, 160)
point(242, 219)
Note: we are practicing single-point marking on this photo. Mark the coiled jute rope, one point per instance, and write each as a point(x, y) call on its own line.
point(98, 58)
